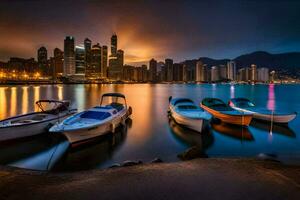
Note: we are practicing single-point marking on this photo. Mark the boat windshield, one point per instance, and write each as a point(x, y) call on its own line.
point(52, 106)
point(114, 100)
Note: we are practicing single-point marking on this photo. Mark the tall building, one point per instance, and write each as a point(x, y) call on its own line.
point(214, 74)
point(199, 71)
point(153, 70)
point(43, 60)
point(244, 74)
point(253, 72)
point(116, 60)
point(169, 68)
point(263, 74)
point(79, 60)
point(58, 64)
point(87, 48)
point(104, 56)
point(94, 71)
point(114, 44)
point(69, 56)
point(144, 73)
point(222, 72)
point(231, 70)
point(120, 57)
point(178, 72)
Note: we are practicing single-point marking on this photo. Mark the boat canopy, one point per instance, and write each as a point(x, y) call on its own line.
point(52, 106)
point(181, 100)
point(114, 94)
point(241, 103)
point(114, 97)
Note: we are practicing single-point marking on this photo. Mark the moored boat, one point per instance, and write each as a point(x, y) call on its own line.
point(277, 116)
point(185, 112)
point(95, 121)
point(225, 113)
point(50, 112)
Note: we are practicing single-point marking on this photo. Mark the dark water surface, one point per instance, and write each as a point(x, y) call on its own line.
point(150, 133)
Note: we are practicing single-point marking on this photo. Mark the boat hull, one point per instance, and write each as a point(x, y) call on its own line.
point(191, 123)
point(276, 118)
point(83, 134)
point(241, 120)
point(27, 130)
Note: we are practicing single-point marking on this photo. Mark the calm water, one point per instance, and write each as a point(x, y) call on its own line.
point(150, 133)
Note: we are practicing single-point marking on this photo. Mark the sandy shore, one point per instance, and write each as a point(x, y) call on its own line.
point(195, 179)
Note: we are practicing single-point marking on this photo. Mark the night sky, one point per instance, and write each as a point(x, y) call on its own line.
point(175, 29)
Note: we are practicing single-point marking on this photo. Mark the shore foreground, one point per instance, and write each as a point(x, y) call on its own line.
point(195, 179)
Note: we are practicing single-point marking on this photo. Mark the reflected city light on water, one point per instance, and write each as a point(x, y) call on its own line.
point(13, 101)
point(3, 106)
point(25, 99)
point(36, 94)
point(60, 92)
point(271, 97)
point(232, 91)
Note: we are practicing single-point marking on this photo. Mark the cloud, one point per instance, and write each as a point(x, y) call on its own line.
point(147, 29)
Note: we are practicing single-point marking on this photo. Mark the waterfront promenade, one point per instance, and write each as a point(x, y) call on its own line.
point(195, 179)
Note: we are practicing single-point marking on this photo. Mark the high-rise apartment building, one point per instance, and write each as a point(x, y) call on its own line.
point(69, 56)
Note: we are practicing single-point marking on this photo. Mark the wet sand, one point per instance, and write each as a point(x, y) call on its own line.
point(195, 179)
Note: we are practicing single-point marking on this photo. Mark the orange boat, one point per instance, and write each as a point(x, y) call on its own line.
point(225, 113)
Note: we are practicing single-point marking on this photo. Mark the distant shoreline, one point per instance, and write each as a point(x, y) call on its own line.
point(121, 83)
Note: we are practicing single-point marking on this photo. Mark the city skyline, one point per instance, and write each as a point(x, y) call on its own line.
point(148, 30)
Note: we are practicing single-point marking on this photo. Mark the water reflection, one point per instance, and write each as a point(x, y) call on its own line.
point(276, 128)
point(190, 137)
point(3, 106)
point(150, 135)
point(38, 152)
point(271, 97)
point(237, 132)
point(13, 101)
point(93, 153)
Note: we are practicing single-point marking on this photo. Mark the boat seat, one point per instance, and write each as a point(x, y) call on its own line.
point(95, 115)
point(38, 117)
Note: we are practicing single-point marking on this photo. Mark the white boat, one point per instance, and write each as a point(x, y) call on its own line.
point(245, 105)
point(185, 112)
point(95, 121)
point(51, 111)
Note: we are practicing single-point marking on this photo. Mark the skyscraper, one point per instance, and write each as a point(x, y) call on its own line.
point(120, 57)
point(104, 55)
point(87, 48)
point(94, 71)
point(116, 60)
point(178, 72)
point(153, 69)
point(69, 56)
point(169, 68)
point(214, 74)
point(222, 72)
point(79, 60)
point(58, 63)
point(43, 60)
point(263, 74)
point(114, 44)
point(253, 72)
point(231, 70)
point(199, 71)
